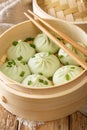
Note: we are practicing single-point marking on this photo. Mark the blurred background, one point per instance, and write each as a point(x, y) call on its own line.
point(11, 12)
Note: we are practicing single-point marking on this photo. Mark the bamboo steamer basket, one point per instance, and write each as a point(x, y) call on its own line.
point(73, 11)
point(42, 104)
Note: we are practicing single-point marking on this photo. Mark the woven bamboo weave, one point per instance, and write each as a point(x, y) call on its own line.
point(70, 10)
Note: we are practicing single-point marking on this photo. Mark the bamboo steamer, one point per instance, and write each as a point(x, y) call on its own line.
point(73, 11)
point(42, 104)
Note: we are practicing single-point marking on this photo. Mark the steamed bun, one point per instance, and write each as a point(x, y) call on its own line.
point(44, 44)
point(68, 60)
point(16, 70)
point(66, 73)
point(36, 80)
point(44, 63)
point(20, 50)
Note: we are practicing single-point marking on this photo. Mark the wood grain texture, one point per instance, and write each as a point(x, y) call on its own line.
point(61, 124)
point(78, 121)
point(7, 120)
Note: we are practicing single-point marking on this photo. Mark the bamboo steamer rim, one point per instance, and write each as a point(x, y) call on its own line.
point(42, 88)
point(41, 104)
point(83, 74)
point(49, 95)
point(42, 13)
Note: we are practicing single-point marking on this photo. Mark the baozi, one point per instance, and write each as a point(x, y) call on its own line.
point(15, 69)
point(44, 44)
point(66, 73)
point(36, 80)
point(20, 50)
point(67, 59)
point(44, 63)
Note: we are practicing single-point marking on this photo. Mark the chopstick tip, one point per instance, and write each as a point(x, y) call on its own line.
point(25, 14)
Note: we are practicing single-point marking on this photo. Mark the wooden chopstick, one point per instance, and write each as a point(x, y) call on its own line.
point(61, 34)
point(78, 59)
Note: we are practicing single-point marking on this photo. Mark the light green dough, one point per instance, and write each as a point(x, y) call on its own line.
point(44, 63)
point(45, 44)
point(36, 80)
point(68, 60)
point(22, 49)
point(66, 73)
point(15, 70)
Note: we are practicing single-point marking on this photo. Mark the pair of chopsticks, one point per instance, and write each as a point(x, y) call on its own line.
point(43, 25)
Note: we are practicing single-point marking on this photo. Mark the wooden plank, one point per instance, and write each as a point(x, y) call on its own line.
point(78, 121)
point(7, 120)
point(61, 124)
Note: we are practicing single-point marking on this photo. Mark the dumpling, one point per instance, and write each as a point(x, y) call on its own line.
point(16, 70)
point(20, 50)
point(66, 73)
point(44, 44)
point(68, 60)
point(36, 80)
point(44, 63)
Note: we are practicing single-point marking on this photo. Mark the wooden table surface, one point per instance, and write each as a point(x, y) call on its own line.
point(11, 13)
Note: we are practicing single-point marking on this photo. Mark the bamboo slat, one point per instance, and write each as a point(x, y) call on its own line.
point(70, 10)
point(43, 11)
